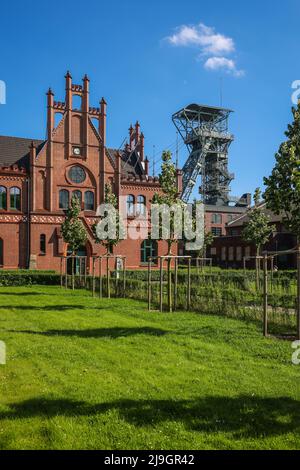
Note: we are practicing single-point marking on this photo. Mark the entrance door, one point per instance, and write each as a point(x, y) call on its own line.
point(79, 263)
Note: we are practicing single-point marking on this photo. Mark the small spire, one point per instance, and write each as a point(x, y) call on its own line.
point(103, 101)
point(68, 75)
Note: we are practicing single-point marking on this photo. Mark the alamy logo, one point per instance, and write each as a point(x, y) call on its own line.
point(2, 92)
point(296, 93)
point(2, 353)
point(296, 354)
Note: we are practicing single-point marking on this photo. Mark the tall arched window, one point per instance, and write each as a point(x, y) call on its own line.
point(141, 205)
point(3, 198)
point(148, 249)
point(77, 194)
point(43, 244)
point(15, 199)
point(63, 199)
point(1, 253)
point(130, 205)
point(88, 201)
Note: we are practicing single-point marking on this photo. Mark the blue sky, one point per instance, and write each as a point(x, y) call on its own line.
point(149, 59)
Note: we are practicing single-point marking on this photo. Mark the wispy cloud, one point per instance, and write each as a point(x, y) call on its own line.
point(210, 43)
point(222, 63)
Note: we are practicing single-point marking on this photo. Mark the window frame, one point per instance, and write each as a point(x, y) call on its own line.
point(144, 256)
point(130, 204)
point(15, 206)
point(88, 193)
point(141, 205)
point(65, 191)
point(5, 193)
point(43, 244)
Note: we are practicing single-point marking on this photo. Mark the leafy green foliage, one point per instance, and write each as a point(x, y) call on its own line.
point(282, 192)
point(72, 229)
point(111, 199)
point(169, 198)
point(258, 228)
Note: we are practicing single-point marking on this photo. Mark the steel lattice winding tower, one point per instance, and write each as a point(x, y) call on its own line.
point(204, 130)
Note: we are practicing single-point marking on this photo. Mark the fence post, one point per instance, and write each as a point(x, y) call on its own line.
point(124, 277)
point(161, 284)
point(265, 295)
point(169, 285)
point(298, 292)
point(149, 284)
point(61, 272)
point(189, 285)
point(175, 283)
point(93, 285)
point(66, 272)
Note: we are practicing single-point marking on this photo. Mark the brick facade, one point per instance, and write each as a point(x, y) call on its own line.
point(40, 170)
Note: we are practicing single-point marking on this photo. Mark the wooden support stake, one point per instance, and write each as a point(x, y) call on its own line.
point(265, 296)
point(149, 284)
point(189, 285)
point(161, 284)
point(93, 285)
point(124, 277)
point(175, 283)
point(169, 285)
point(298, 292)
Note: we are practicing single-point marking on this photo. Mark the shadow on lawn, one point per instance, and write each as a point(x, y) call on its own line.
point(48, 308)
point(243, 415)
point(117, 332)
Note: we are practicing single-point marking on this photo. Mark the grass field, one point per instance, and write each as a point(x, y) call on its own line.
point(91, 374)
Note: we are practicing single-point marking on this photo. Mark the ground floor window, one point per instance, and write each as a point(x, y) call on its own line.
point(148, 249)
point(216, 231)
point(43, 244)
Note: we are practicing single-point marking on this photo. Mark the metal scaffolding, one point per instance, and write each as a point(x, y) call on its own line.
point(204, 130)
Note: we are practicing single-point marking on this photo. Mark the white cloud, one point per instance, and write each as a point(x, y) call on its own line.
point(222, 63)
point(210, 43)
point(203, 36)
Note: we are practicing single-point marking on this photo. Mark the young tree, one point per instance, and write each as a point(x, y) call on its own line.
point(282, 193)
point(103, 234)
point(258, 229)
point(169, 199)
point(208, 241)
point(171, 214)
point(107, 232)
point(72, 229)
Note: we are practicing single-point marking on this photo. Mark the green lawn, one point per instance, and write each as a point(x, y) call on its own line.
point(99, 374)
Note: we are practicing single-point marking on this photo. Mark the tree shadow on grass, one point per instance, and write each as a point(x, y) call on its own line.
point(48, 308)
point(114, 333)
point(23, 294)
point(242, 416)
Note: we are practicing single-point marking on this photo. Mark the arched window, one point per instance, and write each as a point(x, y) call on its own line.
point(15, 199)
point(43, 244)
point(3, 198)
point(130, 205)
point(88, 201)
point(77, 194)
point(63, 199)
point(1, 253)
point(141, 205)
point(148, 249)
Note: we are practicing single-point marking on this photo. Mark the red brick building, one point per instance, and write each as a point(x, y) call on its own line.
point(38, 179)
point(229, 250)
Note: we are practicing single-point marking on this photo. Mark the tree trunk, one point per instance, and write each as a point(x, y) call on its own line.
point(257, 264)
